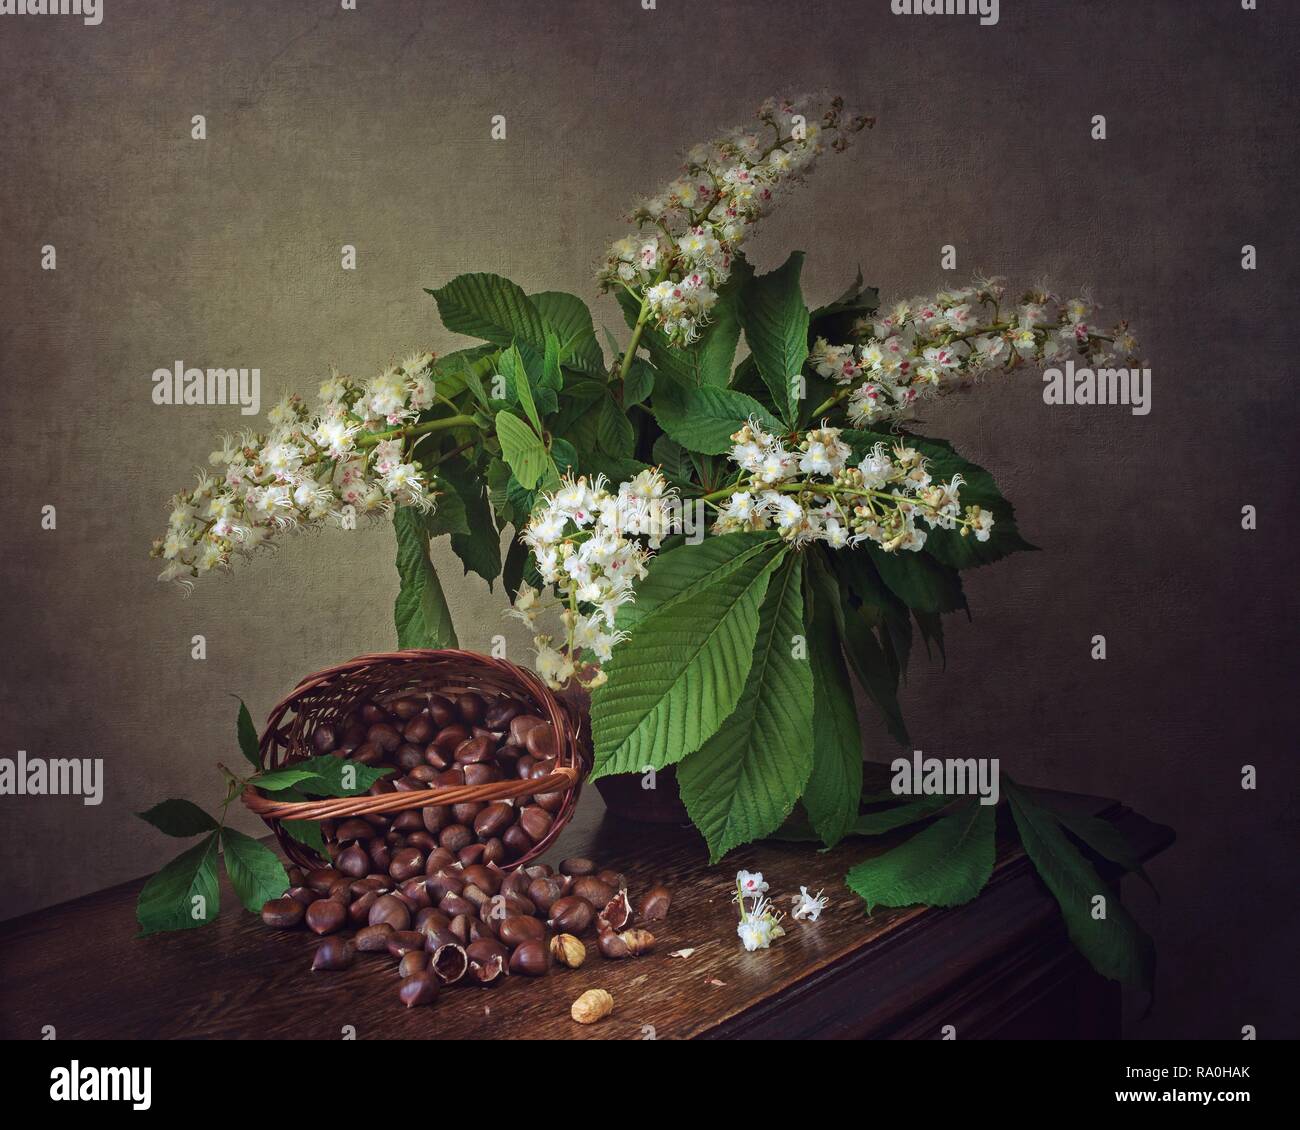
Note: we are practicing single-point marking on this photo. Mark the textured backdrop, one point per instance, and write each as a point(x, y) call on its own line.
point(371, 127)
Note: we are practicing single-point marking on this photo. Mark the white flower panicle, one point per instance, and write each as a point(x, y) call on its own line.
point(304, 471)
point(929, 346)
point(590, 546)
point(811, 492)
point(688, 235)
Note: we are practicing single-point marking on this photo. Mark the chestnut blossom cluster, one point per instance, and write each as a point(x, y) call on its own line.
point(688, 234)
point(929, 346)
point(590, 545)
point(304, 471)
point(812, 492)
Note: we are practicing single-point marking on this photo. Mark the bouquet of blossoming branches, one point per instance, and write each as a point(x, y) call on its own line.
point(716, 550)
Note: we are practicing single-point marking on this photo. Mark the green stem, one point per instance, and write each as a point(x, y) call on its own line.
point(416, 430)
point(629, 354)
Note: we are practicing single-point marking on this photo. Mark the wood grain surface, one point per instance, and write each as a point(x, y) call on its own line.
point(80, 968)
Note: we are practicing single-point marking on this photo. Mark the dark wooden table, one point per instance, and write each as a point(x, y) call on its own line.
point(1000, 966)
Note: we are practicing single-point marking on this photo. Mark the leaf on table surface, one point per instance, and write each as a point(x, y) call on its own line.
point(1115, 945)
point(947, 863)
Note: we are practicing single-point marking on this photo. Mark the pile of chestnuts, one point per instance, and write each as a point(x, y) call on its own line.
point(427, 886)
point(468, 923)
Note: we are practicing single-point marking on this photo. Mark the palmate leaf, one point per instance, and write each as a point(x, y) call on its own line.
point(255, 871)
point(179, 818)
point(522, 449)
point(899, 815)
point(246, 732)
point(490, 307)
point(184, 894)
point(278, 780)
point(1115, 946)
point(420, 611)
point(592, 420)
point(449, 517)
point(743, 782)
point(704, 419)
point(519, 383)
point(680, 573)
point(708, 360)
point(337, 776)
point(776, 330)
point(831, 797)
point(672, 457)
point(876, 673)
point(836, 320)
point(479, 546)
point(944, 864)
point(918, 580)
point(887, 614)
point(570, 320)
point(672, 684)
point(306, 832)
point(640, 382)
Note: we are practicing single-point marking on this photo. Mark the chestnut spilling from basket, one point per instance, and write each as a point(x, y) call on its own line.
point(433, 865)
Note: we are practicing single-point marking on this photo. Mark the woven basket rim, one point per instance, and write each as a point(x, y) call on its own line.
point(572, 760)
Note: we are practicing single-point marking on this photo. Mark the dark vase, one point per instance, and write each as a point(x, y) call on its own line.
point(625, 798)
point(624, 794)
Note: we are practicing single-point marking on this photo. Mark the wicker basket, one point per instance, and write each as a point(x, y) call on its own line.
point(330, 695)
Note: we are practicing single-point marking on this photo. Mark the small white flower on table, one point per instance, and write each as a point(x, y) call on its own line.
point(758, 927)
point(807, 907)
point(760, 923)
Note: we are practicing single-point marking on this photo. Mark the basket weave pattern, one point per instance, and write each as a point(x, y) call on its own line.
point(330, 696)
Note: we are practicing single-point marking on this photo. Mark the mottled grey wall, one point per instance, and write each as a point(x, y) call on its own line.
point(371, 128)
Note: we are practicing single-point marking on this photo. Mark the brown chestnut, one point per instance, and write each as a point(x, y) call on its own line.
point(419, 989)
point(530, 959)
point(516, 930)
point(535, 821)
point(333, 954)
point(413, 962)
point(374, 939)
point(571, 915)
point(283, 913)
point(593, 890)
point(326, 916)
point(390, 909)
point(655, 903)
